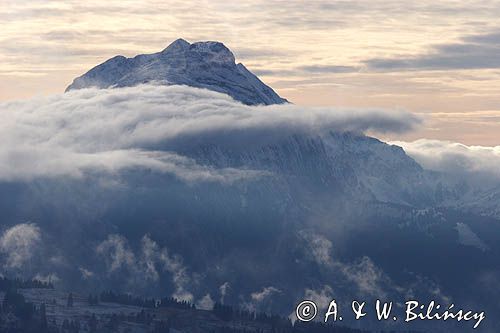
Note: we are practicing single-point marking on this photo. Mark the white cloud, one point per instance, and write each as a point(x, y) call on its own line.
point(145, 264)
point(259, 296)
point(320, 247)
point(86, 274)
point(142, 127)
point(18, 244)
point(205, 303)
point(172, 264)
point(223, 289)
point(368, 278)
point(455, 158)
point(117, 253)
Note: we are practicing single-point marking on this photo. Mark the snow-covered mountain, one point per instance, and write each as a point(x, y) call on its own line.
point(209, 65)
point(346, 164)
point(319, 211)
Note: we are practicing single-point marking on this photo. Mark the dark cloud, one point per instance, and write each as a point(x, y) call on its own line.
point(491, 38)
point(272, 72)
point(306, 70)
point(19, 49)
point(252, 53)
point(472, 52)
point(63, 35)
point(320, 69)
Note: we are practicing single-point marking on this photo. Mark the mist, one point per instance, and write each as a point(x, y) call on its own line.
point(110, 130)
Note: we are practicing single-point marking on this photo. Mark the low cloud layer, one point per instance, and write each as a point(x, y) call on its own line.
point(455, 158)
point(142, 127)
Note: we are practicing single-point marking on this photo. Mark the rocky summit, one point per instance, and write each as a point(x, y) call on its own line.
point(209, 65)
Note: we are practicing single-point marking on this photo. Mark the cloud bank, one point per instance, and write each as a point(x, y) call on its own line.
point(455, 158)
point(145, 126)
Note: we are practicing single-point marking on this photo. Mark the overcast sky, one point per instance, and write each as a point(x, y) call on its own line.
point(438, 58)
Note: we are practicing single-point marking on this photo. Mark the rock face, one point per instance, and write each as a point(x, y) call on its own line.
point(209, 65)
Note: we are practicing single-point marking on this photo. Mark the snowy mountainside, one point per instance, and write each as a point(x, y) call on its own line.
point(340, 163)
point(209, 65)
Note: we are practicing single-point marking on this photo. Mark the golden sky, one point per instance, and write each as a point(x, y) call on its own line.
point(440, 59)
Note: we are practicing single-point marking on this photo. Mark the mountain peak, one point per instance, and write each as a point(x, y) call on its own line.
point(177, 45)
point(209, 64)
point(213, 52)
